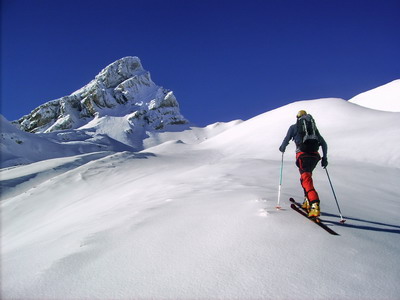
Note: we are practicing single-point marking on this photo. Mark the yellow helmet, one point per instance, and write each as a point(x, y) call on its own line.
point(301, 113)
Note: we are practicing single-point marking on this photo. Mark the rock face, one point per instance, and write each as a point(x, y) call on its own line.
point(121, 89)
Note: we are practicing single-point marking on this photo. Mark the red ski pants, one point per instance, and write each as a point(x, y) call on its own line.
point(306, 162)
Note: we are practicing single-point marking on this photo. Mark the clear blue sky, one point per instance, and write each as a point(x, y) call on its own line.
point(224, 60)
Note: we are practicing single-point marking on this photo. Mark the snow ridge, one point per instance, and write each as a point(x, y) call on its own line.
point(385, 97)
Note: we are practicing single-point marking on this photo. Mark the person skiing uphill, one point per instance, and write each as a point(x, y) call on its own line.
point(308, 140)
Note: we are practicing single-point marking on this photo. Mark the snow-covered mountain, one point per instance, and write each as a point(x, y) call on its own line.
point(122, 95)
point(386, 97)
point(192, 215)
point(122, 109)
point(121, 89)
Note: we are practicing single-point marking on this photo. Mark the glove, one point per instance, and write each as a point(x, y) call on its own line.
point(324, 162)
point(282, 148)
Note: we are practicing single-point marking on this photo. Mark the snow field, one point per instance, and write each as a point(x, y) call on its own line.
point(194, 225)
point(193, 216)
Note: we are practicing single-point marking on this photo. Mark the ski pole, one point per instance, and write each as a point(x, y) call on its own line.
point(334, 195)
point(280, 184)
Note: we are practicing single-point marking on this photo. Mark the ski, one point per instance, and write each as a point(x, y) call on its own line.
point(297, 207)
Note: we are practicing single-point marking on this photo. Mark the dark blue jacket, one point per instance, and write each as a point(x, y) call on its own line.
point(292, 134)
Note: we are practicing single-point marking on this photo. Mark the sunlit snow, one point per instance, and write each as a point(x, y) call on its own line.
point(192, 215)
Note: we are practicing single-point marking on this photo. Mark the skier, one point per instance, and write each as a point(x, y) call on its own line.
point(307, 157)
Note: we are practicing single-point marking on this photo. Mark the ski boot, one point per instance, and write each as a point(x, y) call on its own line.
point(314, 210)
point(306, 204)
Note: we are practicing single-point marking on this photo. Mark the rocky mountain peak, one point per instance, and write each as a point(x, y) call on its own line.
point(122, 88)
point(120, 70)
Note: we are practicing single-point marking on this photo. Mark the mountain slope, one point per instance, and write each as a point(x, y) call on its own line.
point(196, 219)
point(20, 148)
point(352, 132)
point(386, 97)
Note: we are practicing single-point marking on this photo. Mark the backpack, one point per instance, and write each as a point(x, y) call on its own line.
point(308, 132)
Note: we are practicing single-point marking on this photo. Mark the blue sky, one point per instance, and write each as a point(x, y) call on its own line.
point(224, 60)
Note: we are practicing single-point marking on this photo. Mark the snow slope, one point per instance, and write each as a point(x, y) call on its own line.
point(105, 133)
point(19, 147)
point(352, 132)
point(385, 97)
point(192, 216)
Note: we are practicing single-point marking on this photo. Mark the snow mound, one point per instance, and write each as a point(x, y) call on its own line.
point(18, 147)
point(352, 132)
point(386, 97)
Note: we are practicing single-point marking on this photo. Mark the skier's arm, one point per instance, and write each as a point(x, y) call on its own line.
point(324, 162)
point(286, 140)
point(324, 146)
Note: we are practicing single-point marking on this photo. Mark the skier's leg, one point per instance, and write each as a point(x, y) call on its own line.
point(308, 186)
point(306, 162)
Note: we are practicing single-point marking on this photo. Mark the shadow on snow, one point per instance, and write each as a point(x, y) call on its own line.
point(389, 227)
